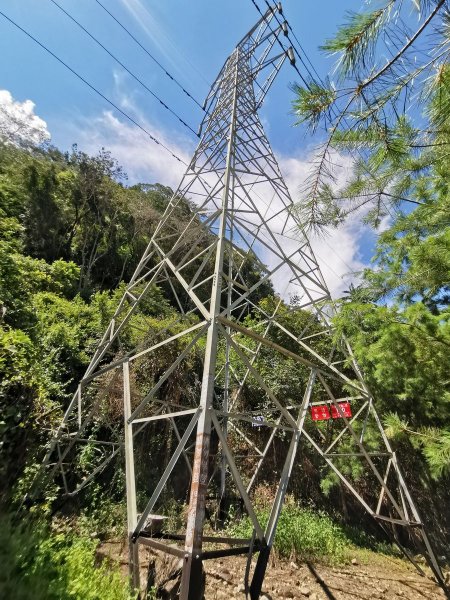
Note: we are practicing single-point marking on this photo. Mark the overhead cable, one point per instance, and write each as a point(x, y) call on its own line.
point(135, 77)
point(273, 9)
point(302, 51)
point(278, 39)
point(128, 32)
point(93, 88)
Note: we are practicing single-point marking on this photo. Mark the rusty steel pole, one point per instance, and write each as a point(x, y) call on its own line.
point(192, 576)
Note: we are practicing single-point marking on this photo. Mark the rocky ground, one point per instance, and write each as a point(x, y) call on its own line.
point(378, 579)
point(368, 576)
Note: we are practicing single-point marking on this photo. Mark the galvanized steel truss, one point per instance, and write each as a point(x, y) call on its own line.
point(240, 215)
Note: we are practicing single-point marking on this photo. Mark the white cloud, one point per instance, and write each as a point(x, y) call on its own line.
point(18, 122)
point(142, 159)
point(338, 251)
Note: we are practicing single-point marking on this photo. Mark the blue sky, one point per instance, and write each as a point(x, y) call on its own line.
point(192, 40)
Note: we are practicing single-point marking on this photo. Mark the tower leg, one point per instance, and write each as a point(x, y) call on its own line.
point(192, 579)
point(263, 558)
point(260, 573)
point(133, 546)
point(192, 576)
point(430, 555)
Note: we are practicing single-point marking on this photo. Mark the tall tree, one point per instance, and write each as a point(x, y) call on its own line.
point(391, 115)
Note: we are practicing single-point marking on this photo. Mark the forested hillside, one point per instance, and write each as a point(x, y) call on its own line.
point(73, 231)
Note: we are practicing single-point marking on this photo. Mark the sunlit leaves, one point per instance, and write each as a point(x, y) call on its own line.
point(437, 92)
point(433, 441)
point(437, 451)
point(388, 71)
point(413, 257)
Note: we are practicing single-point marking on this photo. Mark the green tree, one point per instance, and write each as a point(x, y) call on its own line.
point(391, 119)
point(390, 116)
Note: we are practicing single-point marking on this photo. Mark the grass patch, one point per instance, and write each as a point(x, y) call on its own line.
point(302, 534)
point(37, 564)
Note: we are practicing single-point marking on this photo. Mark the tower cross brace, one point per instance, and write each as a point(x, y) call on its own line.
point(238, 216)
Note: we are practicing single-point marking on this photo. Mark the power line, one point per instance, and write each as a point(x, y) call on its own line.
point(307, 85)
point(126, 115)
point(304, 53)
point(149, 54)
point(333, 111)
point(278, 39)
point(273, 9)
point(124, 67)
point(93, 88)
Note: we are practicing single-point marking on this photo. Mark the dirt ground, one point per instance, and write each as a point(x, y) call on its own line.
point(368, 576)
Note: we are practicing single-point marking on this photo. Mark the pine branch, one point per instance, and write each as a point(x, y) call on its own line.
point(408, 44)
point(320, 207)
point(356, 40)
point(312, 103)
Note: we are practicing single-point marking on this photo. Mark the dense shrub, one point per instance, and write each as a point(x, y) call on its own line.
point(301, 533)
point(40, 565)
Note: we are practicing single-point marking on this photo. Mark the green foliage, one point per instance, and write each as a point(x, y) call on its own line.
point(436, 447)
point(40, 565)
point(434, 442)
point(67, 331)
point(356, 40)
point(301, 533)
point(390, 117)
point(22, 388)
point(69, 232)
point(311, 103)
point(412, 258)
point(21, 276)
point(404, 353)
point(75, 208)
point(389, 113)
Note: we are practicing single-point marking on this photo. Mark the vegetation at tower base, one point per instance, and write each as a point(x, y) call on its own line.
point(392, 119)
point(56, 303)
point(41, 564)
point(72, 232)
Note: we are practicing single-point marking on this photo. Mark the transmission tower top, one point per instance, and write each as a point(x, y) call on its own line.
point(265, 55)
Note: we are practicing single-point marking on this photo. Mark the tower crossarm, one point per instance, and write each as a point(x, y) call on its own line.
point(265, 54)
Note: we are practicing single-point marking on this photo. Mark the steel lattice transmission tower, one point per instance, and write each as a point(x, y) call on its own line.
point(240, 217)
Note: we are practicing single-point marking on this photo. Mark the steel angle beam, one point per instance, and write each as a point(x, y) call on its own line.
point(242, 216)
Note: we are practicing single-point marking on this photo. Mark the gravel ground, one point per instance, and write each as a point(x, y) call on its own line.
point(368, 577)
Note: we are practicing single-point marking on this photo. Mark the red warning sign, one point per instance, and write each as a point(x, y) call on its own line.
point(320, 413)
point(345, 410)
